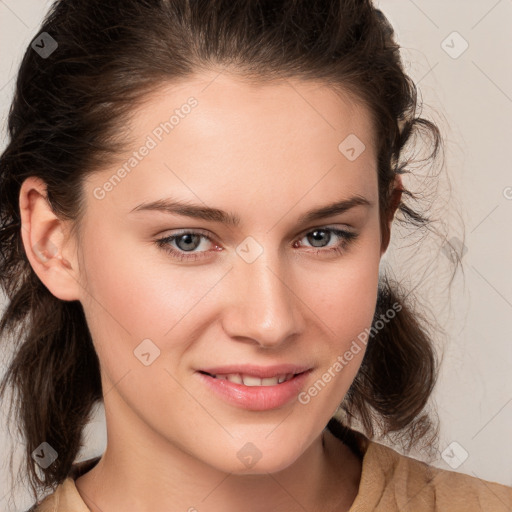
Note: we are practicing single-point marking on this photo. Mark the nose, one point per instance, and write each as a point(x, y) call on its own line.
point(264, 308)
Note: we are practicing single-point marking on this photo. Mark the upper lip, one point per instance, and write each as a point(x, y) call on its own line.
point(256, 371)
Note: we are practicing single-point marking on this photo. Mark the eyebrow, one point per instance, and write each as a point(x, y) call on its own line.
point(176, 207)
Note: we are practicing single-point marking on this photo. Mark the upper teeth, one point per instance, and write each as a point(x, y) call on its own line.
point(249, 380)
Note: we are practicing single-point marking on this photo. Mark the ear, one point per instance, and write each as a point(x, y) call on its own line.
point(396, 196)
point(46, 241)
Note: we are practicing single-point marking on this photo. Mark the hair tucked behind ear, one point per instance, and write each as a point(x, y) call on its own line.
point(67, 120)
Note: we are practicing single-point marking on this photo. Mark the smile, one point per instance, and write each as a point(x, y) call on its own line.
point(254, 393)
point(251, 380)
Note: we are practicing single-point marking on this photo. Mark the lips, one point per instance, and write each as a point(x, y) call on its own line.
point(256, 388)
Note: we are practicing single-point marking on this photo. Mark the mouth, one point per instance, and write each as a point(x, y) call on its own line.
point(256, 388)
point(252, 380)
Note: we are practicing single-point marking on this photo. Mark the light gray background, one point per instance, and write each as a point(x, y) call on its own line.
point(470, 97)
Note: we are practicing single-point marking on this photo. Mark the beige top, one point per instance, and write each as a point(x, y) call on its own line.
point(389, 482)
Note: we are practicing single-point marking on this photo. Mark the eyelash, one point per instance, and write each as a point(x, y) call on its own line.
point(347, 237)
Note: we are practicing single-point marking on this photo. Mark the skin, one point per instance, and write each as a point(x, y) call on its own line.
point(268, 153)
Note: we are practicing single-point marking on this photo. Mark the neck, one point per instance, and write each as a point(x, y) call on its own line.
point(325, 477)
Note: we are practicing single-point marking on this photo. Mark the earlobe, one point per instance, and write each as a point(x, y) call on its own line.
point(45, 241)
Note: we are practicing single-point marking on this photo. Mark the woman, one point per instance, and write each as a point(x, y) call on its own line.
point(195, 201)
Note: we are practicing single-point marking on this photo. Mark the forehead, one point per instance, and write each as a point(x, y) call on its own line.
point(234, 103)
point(219, 133)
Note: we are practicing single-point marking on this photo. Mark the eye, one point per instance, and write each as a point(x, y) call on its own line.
point(186, 242)
point(319, 236)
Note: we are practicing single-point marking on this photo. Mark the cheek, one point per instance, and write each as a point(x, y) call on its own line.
point(344, 297)
point(127, 300)
point(129, 285)
point(343, 303)
point(134, 295)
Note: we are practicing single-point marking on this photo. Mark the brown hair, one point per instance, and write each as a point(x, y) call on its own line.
point(65, 122)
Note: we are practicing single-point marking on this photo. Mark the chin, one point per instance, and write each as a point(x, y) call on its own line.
point(263, 467)
point(249, 459)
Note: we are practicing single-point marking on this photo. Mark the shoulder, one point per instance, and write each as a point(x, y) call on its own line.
point(66, 497)
point(392, 481)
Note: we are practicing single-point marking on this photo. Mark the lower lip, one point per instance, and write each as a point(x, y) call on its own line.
point(256, 398)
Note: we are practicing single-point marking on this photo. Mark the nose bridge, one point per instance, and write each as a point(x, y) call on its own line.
point(266, 306)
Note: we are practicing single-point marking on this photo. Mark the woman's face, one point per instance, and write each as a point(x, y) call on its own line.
point(266, 291)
